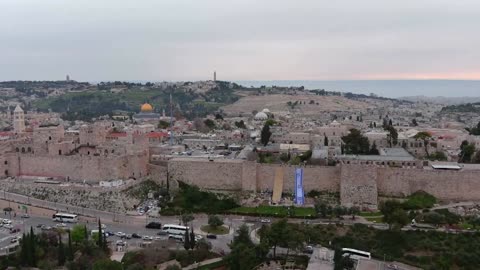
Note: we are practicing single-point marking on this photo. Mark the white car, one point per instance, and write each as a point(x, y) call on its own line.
point(103, 226)
point(8, 226)
point(120, 234)
point(147, 238)
point(265, 220)
point(61, 225)
point(198, 237)
point(6, 221)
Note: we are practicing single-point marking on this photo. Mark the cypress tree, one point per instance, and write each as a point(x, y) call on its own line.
point(192, 239)
point(105, 244)
point(186, 240)
point(100, 235)
point(61, 251)
point(86, 232)
point(32, 248)
point(24, 250)
point(70, 248)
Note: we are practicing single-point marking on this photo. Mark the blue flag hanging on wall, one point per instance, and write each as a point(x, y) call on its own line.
point(299, 193)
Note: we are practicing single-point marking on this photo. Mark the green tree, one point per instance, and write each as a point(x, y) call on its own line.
point(78, 233)
point(70, 247)
point(425, 137)
point(393, 214)
point(209, 123)
point(342, 262)
point(243, 255)
point(107, 264)
point(186, 240)
point(100, 235)
point(163, 124)
point(392, 135)
point(374, 150)
point(61, 251)
point(187, 218)
point(270, 122)
point(356, 143)
point(467, 151)
point(240, 124)
point(276, 235)
point(192, 239)
point(214, 221)
point(265, 134)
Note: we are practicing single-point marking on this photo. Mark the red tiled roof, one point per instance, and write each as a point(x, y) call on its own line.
point(117, 134)
point(157, 134)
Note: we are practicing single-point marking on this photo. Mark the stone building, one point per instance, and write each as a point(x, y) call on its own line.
point(18, 120)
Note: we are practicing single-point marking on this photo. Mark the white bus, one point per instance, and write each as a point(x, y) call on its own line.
point(356, 254)
point(174, 229)
point(64, 217)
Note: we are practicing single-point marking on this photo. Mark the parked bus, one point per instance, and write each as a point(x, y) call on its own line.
point(356, 254)
point(64, 217)
point(174, 229)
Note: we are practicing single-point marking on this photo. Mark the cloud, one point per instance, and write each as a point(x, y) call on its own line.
point(242, 40)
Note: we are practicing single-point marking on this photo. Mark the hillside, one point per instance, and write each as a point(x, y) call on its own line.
point(463, 108)
point(189, 99)
point(302, 102)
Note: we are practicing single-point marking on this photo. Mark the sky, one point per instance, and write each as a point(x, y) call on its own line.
point(156, 40)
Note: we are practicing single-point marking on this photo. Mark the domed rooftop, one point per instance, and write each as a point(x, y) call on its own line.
point(146, 108)
point(261, 116)
point(266, 110)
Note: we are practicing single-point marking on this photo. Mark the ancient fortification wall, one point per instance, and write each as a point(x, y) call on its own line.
point(88, 168)
point(358, 184)
point(446, 185)
point(222, 175)
point(314, 177)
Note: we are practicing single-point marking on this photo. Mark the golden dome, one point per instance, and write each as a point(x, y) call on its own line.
point(146, 108)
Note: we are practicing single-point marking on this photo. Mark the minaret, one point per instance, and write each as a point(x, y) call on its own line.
point(18, 120)
point(171, 120)
point(214, 76)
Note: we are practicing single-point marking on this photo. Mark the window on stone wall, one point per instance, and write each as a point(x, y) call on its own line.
point(17, 150)
point(60, 152)
point(6, 162)
point(49, 138)
point(6, 172)
point(23, 149)
point(29, 149)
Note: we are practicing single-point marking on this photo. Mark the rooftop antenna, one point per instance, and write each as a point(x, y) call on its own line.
point(171, 119)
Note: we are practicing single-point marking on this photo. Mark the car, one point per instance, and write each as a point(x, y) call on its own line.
point(120, 234)
point(14, 239)
point(128, 236)
point(108, 233)
point(121, 243)
point(154, 225)
point(25, 216)
point(265, 220)
point(45, 228)
point(147, 238)
point(177, 237)
point(308, 250)
point(136, 235)
point(103, 226)
point(60, 225)
point(8, 226)
point(198, 237)
point(211, 236)
point(14, 230)
point(6, 221)
point(40, 225)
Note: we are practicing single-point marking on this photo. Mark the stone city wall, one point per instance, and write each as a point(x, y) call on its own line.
point(445, 185)
point(314, 177)
point(78, 168)
point(358, 184)
point(218, 174)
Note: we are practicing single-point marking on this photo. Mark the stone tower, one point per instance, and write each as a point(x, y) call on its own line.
point(18, 120)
